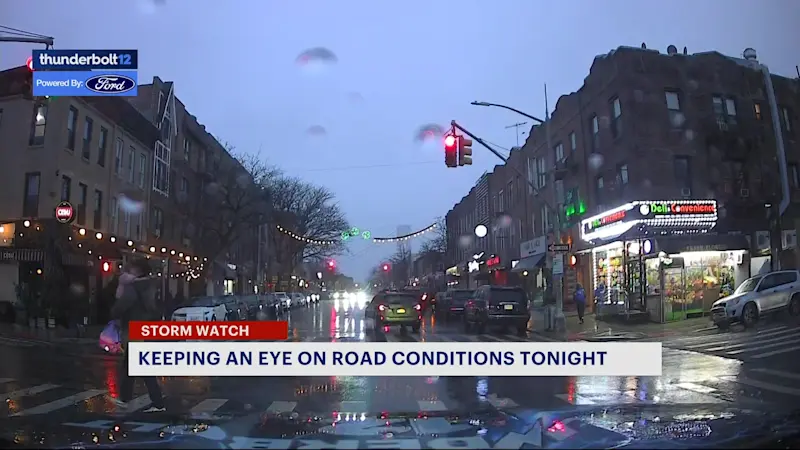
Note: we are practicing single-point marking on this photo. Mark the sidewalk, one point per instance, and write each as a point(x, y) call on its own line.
point(58, 335)
point(575, 331)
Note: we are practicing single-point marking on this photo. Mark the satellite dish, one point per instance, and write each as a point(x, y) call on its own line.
point(672, 50)
point(750, 54)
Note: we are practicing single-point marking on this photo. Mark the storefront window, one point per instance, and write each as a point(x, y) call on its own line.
point(693, 281)
point(609, 274)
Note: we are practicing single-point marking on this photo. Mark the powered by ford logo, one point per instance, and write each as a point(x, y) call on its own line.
point(110, 84)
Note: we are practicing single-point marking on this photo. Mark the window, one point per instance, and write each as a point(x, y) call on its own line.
point(673, 100)
point(38, 125)
point(559, 152)
point(573, 142)
point(622, 174)
point(86, 150)
point(161, 169)
point(72, 124)
point(757, 110)
point(119, 148)
point(142, 169)
point(131, 164)
point(531, 176)
point(83, 194)
point(138, 229)
point(541, 173)
point(794, 176)
point(98, 210)
point(30, 202)
point(616, 117)
point(126, 220)
point(187, 149)
point(786, 118)
point(683, 175)
point(500, 207)
point(545, 215)
point(114, 208)
point(66, 188)
point(595, 127)
point(157, 221)
point(101, 147)
point(184, 185)
point(724, 109)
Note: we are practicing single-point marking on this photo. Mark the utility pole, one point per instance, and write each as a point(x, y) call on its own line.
point(558, 285)
point(516, 129)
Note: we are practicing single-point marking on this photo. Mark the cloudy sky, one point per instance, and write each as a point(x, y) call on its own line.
point(400, 65)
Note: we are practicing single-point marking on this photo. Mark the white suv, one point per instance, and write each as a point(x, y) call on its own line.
point(762, 294)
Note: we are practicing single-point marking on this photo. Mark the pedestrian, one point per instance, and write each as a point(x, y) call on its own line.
point(580, 301)
point(550, 308)
point(135, 300)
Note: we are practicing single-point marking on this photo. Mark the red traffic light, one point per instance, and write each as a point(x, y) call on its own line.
point(331, 264)
point(385, 267)
point(450, 142)
point(106, 266)
point(29, 63)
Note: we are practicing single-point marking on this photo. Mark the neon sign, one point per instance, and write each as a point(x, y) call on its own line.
point(608, 219)
point(493, 261)
point(678, 208)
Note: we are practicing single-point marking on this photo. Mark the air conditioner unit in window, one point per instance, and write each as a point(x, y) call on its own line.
point(686, 192)
point(744, 192)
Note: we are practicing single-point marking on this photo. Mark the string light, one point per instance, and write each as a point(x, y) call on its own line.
point(308, 240)
point(405, 237)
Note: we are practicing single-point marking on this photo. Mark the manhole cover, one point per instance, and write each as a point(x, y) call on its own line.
point(615, 336)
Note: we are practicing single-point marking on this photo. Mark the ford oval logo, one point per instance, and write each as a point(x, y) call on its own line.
point(110, 84)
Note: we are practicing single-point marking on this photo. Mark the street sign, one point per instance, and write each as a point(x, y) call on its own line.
point(558, 264)
point(558, 248)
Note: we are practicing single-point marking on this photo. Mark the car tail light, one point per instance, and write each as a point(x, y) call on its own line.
point(381, 307)
point(424, 297)
point(417, 307)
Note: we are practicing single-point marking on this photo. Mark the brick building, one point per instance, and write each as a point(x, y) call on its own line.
point(648, 125)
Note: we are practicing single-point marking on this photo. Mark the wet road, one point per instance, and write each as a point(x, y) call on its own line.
point(40, 380)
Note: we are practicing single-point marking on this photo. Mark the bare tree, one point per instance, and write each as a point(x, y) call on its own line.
point(233, 199)
point(306, 210)
point(400, 266)
point(439, 242)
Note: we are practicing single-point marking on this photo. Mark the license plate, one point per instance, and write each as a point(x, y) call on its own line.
point(509, 307)
point(401, 311)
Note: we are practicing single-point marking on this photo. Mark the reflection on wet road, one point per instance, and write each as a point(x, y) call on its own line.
point(43, 382)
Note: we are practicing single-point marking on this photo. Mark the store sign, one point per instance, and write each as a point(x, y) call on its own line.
point(493, 261)
point(678, 208)
point(614, 217)
point(473, 266)
point(65, 213)
point(535, 246)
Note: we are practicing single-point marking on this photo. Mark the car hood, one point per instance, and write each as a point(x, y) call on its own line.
point(650, 426)
point(194, 310)
point(734, 297)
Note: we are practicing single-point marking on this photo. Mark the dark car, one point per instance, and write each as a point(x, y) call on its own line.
point(426, 299)
point(497, 306)
point(451, 303)
point(395, 308)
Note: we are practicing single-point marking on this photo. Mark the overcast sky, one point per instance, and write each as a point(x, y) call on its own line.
point(400, 65)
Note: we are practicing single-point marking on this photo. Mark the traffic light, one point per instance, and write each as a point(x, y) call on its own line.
point(464, 151)
point(386, 267)
point(450, 151)
point(106, 267)
point(27, 88)
point(331, 265)
point(573, 260)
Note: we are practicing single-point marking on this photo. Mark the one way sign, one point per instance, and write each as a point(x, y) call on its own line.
point(558, 248)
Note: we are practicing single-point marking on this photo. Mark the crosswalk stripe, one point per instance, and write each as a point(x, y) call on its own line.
point(61, 403)
point(777, 352)
point(501, 402)
point(278, 407)
point(138, 403)
point(716, 339)
point(762, 385)
point(207, 406)
point(745, 344)
point(699, 388)
point(576, 399)
point(762, 347)
point(19, 393)
point(777, 373)
point(352, 407)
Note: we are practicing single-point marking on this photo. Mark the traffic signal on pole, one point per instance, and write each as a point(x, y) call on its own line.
point(464, 151)
point(386, 267)
point(106, 267)
point(27, 88)
point(450, 150)
point(331, 265)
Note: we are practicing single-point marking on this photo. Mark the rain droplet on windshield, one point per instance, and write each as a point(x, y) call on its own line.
point(316, 55)
point(316, 130)
point(355, 97)
point(595, 161)
point(465, 241)
point(502, 221)
point(130, 205)
point(429, 133)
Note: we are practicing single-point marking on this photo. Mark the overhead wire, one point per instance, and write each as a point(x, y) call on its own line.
point(18, 32)
point(371, 166)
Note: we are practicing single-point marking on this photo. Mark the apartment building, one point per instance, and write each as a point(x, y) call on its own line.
point(192, 165)
point(650, 125)
point(94, 153)
point(465, 250)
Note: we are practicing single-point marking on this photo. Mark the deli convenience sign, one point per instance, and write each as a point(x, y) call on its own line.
point(678, 208)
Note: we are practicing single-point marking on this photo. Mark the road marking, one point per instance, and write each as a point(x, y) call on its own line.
point(501, 402)
point(207, 406)
point(777, 373)
point(745, 344)
point(352, 407)
point(61, 403)
point(13, 395)
point(576, 399)
point(137, 403)
point(279, 407)
point(730, 338)
point(762, 347)
point(696, 388)
point(429, 406)
point(777, 352)
point(762, 385)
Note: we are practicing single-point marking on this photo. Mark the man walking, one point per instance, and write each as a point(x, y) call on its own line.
point(135, 300)
point(580, 301)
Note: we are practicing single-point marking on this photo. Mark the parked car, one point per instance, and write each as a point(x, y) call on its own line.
point(201, 309)
point(286, 301)
point(499, 306)
point(757, 296)
point(270, 307)
point(394, 308)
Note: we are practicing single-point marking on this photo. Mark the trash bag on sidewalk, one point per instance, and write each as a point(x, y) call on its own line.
point(110, 340)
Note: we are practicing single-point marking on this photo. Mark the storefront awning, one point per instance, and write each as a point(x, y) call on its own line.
point(703, 242)
point(529, 263)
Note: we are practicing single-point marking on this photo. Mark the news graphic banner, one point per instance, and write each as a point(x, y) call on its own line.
point(85, 73)
point(236, 352)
